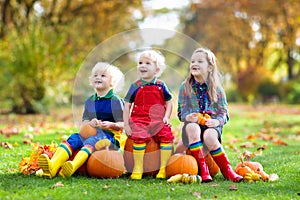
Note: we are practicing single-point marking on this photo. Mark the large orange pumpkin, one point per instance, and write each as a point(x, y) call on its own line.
point(106, 164)
point(151, 157)
point(87, 131)
point(181, 164)
point(211, 164)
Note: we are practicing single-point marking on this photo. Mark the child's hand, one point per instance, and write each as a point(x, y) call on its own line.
point(166, 121)
point(127, 130)
point(105, 125)
point(94, 122)
point(212, 123)
point(202, 118)
point(193, 117)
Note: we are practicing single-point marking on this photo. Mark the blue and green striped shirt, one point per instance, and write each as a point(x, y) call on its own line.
point(107, 108)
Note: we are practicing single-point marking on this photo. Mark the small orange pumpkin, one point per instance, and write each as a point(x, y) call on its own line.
point(243, 170)
point(151, 157)
point(181, 164)
point(255, 166)
point(87, 131)
point(106, 164)
point(202, 118)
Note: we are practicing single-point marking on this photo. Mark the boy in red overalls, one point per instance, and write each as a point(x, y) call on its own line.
point(150, 115)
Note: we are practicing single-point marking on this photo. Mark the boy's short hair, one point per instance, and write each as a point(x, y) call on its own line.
point(117, 77)
point(157, 57)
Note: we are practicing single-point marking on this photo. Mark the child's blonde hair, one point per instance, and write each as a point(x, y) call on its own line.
point(157, 58)
point(214, 77)
point(117, 77)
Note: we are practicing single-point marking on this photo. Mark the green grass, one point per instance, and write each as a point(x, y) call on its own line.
point(278, 122)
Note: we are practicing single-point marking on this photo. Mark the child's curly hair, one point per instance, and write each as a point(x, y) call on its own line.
point(157, 58)
point(117, 76)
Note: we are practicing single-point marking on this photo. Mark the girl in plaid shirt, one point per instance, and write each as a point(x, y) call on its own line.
point(202, 106)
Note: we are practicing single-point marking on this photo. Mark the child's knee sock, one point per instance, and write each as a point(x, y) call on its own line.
point(138, 157)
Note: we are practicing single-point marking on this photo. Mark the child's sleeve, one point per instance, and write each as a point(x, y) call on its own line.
point(183, 109)
point(86, 114)
point(130, 96)
point(222, 111)
point(167, 93)
point(117, 109)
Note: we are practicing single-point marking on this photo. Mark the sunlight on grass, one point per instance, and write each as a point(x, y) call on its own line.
point(276, 127)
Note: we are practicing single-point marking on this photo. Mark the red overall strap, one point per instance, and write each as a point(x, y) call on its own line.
point(139, 82)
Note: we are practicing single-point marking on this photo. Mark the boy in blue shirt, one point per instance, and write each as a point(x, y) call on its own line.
point(104, 111)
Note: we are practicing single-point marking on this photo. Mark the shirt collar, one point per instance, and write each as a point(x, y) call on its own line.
point(146, 82)
point(195, 83)
point(107, 96)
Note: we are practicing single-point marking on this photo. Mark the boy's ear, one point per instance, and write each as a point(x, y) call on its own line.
point(157, 69)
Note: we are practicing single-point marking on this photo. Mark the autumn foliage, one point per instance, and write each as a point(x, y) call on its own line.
point(29, 165)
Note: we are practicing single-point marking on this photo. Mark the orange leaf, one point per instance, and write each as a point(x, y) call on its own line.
point(247, 145)
point(251, 137)
point(280, 142)
point(263, 147)
point(27, 141)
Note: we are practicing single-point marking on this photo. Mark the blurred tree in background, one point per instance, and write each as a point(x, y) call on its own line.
point(254, 40)
point(44, 42)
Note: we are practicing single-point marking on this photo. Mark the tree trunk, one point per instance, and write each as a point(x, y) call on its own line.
point(290, 63)
point(3, 17)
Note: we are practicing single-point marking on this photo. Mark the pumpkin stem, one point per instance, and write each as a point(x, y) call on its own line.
point(242, 159)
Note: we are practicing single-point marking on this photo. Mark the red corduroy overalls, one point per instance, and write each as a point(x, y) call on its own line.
point(147, 114)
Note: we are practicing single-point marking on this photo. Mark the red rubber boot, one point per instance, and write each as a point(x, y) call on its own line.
point(202, 166)
point(225, 167)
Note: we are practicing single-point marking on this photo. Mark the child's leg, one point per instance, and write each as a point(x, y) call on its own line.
point(70, 167)
point(61, 155)
point(218, 154)
point(196, 148)
point(165, 137)
point(197, 152)
point(222, 161)
point(138, 157)
point(165, 153)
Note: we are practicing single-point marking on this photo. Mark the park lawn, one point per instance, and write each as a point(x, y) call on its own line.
point(276, 128)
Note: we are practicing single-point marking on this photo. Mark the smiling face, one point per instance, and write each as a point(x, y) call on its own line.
point(199, 66)
point(101, 80)
point(147, 69)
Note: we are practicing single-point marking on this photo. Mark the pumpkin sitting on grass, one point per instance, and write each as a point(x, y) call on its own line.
point(181, 164)
point(106, 164)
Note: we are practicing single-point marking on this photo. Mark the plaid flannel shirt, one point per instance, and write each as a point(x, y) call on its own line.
point(200, 102)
